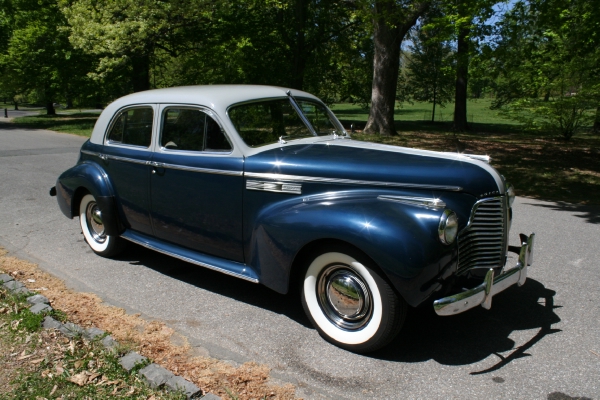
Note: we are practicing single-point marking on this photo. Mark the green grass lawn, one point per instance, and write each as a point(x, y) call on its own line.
point(68, 121)
point(478, 111)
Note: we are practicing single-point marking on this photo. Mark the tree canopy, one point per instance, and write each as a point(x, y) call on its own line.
point(541, 63)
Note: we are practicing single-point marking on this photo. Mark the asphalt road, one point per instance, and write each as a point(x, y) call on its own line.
point(537, 342)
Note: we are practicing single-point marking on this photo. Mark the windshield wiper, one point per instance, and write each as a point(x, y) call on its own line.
point(301, 113)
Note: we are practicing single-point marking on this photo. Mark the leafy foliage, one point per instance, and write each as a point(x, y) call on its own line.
point(430, 72)
point(38, 57)
point(547, 64)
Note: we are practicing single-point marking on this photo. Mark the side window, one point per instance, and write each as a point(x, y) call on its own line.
point(133, 127)
point(191, 130)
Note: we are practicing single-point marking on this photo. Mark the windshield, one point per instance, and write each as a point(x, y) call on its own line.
point(265, 122)
point(318, 117)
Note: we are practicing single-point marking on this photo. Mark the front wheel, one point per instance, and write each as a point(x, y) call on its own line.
point(90, 219)
point(349, 303)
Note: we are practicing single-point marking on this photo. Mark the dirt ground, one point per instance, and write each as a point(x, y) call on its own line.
point(151, 339)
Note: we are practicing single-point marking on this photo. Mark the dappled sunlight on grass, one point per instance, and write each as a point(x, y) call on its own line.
point(78, 123)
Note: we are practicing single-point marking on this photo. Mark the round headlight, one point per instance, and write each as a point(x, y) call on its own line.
point(448, 228)
point(510, 193)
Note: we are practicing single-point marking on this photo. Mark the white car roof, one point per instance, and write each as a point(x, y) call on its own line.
point(215, 97)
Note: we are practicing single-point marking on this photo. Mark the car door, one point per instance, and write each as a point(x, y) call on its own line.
point(196, 183)
point(127, 153)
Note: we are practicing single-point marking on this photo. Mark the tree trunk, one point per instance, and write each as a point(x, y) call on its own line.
point(69, 100)
point(386, 64)
point(140, 72)
point(50, 108)
point(596, 127)
point(16, 105)
point(462, 74)
point(387, 38)
point(299, 63)
point(434, 101)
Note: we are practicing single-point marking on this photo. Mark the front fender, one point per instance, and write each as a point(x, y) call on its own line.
point(401, 239)
point(88, 176)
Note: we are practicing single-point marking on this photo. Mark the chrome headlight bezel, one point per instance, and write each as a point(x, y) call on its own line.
point(448, 227)
point(510, 194)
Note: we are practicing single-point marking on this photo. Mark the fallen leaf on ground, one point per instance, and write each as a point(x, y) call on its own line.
point(80, 379)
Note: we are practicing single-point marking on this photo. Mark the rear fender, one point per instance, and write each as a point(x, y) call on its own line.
point(88, 177)
point(401, 239)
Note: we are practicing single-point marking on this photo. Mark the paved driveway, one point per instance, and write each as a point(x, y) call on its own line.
point(536, 342)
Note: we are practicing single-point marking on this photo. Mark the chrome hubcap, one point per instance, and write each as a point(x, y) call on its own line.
point(93, 217)
point(344, 297)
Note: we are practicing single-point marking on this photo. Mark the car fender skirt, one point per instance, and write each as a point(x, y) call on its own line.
point(110, 217)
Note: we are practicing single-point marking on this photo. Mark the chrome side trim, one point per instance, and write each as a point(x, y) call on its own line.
point(190, 260)
point(202, 170)
point(491, 286)
point(425, 202)
point(124, 159)
point(162, 165)
point(91, 153)
point(298, 178)
point(278, 187)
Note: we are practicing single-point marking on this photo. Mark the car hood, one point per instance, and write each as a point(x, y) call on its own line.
point(369, 163)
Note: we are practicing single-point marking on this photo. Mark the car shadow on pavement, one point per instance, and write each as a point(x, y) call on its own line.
point(591, 213)
point(458, 340)
point(474, 335)
point(217, 282)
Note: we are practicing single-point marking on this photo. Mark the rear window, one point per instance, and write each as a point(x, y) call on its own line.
point(132, 127)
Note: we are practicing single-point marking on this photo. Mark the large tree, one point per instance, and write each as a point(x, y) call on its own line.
point(126, 35)
point(430, 68)
point(37, 56)
point(547, 62)
point(302, 44)
point(469, 20)
point(392, 19)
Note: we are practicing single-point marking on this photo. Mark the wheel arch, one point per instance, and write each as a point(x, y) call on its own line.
point(85, 178)
point(300, 262)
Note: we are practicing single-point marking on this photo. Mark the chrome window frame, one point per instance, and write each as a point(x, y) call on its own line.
point(162, 108)
point(116, 116)
point(301, 116)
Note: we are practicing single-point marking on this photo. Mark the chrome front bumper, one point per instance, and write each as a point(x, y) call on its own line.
point(482, 294)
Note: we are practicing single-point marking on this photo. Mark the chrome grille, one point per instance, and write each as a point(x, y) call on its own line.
point(482, 244)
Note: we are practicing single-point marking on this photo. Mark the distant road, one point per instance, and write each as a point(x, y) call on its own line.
point(18, 113)
point(540, 339)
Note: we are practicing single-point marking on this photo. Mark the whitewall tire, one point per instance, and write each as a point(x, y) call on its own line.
point(90, 219)
point(349, 303)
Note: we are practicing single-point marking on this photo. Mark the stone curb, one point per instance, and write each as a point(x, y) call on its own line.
point(131, 359)
point(154, 375)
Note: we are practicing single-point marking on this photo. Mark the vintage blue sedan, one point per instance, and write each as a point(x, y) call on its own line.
point(264, 184)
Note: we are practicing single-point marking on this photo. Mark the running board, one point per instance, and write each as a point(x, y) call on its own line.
point(228, 267)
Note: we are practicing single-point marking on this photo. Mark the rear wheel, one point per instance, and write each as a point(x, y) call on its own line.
point(92, 226)
point(349, 303)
